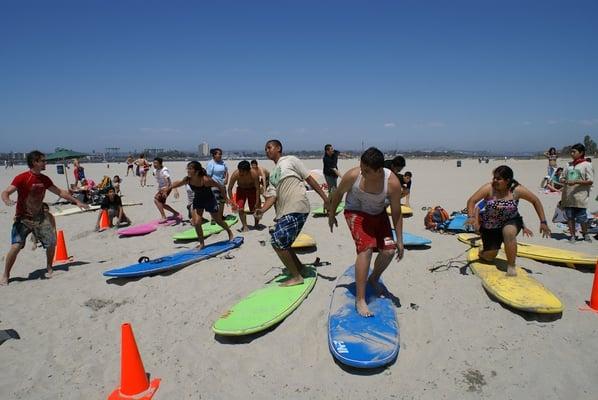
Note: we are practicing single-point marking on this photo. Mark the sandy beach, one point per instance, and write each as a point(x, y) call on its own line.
point(456, 342)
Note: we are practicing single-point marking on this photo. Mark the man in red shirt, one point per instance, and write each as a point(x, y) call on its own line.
point(31, 188)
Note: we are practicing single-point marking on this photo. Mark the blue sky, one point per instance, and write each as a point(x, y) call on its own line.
point(486, 75)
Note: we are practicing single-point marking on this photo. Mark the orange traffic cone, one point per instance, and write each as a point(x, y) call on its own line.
point(593, 303)
point(104, 223)
point(134, 383)
point(60, 253)
point(594, 296)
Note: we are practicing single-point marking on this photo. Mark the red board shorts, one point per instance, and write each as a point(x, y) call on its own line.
point(244, 195)
point(370, 231)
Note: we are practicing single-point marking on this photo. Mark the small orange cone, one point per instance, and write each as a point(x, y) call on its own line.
point(104, 223)
point(134, 383)
point(593, 303)
point(60, 253)
point(594, 296)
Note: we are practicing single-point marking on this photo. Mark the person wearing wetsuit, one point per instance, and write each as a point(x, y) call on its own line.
point(499, 220)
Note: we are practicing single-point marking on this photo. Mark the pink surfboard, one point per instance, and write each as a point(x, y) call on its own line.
point(149, 227)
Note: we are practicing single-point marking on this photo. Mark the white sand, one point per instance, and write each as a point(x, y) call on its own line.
point(456, 342)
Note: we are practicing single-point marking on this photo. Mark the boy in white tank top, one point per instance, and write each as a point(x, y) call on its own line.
point(367, 188)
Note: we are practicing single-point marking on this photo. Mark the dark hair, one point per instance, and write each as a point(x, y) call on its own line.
point(408, 173)
point(506, 173)
point(327, 147)
point(141, 155)
point(398, 162)
point(579, 147)
point(34, 156)
point(253, 162)
point(45, 206)
point(159, 159)
point(559, 169)
point(373, 158)
point(552, 150)
point(111, 188)
point(244, 166)
point(275, 142)
point(116, 177)
point(215, 150)
point(196, 165)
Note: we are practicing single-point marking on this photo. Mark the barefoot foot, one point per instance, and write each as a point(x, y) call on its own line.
point(292, 281)
point(362, 308)
point(378, 288)
point(511, 271)
point(48, 274)
point(4, 281)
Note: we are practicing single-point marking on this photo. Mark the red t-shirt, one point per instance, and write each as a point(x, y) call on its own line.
point(31, 189)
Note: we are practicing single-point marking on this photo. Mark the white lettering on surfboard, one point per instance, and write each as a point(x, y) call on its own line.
point(340, 347)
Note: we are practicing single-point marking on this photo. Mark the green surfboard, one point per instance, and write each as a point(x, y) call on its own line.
point(319, 212)
point(265, 307)
point(208, 229)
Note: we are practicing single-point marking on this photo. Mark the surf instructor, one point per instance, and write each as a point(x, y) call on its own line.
point(31, 188)
point(499, 220)
point(367, 187)
point(287, 193)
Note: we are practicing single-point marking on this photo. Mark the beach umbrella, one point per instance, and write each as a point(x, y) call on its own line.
point(62, 155)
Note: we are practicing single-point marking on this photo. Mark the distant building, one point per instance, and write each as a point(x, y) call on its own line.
point(203, 149)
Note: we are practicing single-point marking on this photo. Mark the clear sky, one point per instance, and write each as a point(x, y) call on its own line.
point(485, 75)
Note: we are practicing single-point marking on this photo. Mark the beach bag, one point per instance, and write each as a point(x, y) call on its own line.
point(435, 218)
point(105, 183)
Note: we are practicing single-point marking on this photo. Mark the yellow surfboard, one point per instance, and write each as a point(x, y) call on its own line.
point(521, 292)
point(303, 241)
point(540, 253)
point(405, 210)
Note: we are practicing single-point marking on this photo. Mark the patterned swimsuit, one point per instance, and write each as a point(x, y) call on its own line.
point(498, 213)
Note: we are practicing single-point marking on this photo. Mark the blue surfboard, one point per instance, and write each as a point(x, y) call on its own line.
point(457, 223)
point(412, 240)
point(174, 261)
point(358, 341)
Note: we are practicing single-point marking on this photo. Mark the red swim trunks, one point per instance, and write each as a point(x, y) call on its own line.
point(370, 231)
point(244, 195)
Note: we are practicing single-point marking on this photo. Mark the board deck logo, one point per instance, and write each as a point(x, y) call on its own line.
point(340, 347)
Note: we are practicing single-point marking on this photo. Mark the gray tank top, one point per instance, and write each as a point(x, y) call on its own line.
point(370, 203)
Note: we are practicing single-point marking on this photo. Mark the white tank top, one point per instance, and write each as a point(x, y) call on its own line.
point(370, 203)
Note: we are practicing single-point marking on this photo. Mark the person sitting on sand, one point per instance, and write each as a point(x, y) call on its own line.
point(203, 199)
point(114, 206)
point(552, 157)
point(31, 188)
point(368, 187)
point(287, 193)
point(396, 165)
point(554, 184)
point(499, 221)
point(116, 181)
point(248, 190)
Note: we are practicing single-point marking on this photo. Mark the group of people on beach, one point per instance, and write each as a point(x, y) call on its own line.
point(367, 190)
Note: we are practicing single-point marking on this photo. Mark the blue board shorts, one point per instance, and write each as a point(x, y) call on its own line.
point(579, 215)
point(43, 231)
point(287, 229)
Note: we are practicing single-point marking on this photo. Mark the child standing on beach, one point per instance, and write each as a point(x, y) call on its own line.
point(368, 187)
point(248, 190)
point(577, 181)
point(164, 189)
